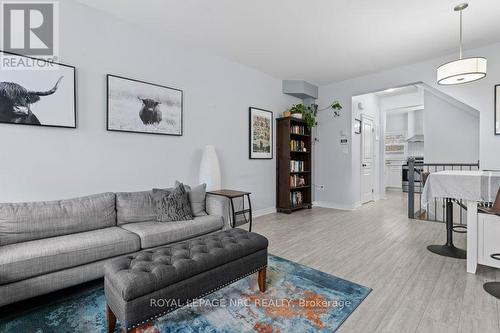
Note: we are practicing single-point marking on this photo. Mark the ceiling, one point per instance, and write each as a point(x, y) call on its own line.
point(320, 41)
point(411, 89)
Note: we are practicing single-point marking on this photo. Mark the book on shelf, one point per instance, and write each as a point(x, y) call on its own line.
point(296, 198)
point(298, 145)
point(296, 129)
point(296, 166)
point(297, 181)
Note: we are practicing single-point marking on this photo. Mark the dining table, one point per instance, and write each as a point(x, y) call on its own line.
point(472, 188)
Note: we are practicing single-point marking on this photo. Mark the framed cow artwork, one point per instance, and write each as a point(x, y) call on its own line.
point(142, 107)
point(36, 92)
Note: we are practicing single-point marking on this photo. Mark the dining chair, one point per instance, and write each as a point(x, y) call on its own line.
point(493, 288)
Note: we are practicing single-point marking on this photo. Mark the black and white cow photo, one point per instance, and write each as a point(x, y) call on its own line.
point(43, 97)
point(136, 106)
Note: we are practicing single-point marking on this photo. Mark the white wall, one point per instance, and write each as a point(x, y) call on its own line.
point(396, 122)
point(40, 163)
point(451, 134)
point(333, 169)
point(401, 100)
point(419, 123)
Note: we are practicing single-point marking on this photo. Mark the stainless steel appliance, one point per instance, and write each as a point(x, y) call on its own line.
point(419, 169)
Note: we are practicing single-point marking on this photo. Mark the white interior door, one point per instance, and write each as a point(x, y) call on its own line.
point(367, 159)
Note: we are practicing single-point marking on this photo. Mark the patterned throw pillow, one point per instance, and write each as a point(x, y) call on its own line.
point(172, 205)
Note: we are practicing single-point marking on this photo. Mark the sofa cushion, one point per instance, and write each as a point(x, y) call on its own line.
point(29, 259)
point(21, 222)
point(197, 198)
point(156, 233)
point(135, 207)
point(172, 205)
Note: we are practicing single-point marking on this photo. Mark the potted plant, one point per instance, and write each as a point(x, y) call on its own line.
point(297, 111)
point(336, 107)
point(309, 113)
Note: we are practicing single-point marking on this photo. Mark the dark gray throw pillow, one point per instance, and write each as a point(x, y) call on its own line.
point(197, 195)
point(172, 205)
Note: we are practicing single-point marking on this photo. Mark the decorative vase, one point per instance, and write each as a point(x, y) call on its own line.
point(297, 115)
point(210, 169)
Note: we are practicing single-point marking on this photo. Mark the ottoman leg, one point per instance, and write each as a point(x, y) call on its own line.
point(111, 320)
point(262, 279)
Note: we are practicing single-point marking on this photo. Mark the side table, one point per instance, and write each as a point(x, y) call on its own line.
point(231, 195)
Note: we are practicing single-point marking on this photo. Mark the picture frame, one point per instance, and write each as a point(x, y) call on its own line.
point(44, 95)
point(260, 134)
point(136, 106)
point(357, 126)
point(496, 123)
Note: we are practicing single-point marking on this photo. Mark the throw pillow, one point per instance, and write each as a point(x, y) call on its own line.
point(197, 195)
point(172, 205)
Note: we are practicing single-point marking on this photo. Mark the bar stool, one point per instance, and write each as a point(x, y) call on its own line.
point(493, 288)
point(449, 249)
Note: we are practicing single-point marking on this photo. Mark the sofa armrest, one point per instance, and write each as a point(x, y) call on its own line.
point(218, 205)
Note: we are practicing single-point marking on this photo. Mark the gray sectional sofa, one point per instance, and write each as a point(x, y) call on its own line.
point(47, 246)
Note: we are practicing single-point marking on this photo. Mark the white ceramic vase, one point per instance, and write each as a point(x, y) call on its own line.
point(210, 169)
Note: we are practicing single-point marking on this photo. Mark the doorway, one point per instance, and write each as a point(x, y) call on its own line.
point(371, 150)
point(367, 158)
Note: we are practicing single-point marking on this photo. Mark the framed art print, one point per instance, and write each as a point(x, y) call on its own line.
point(41, 95)
point(260, 134)
point(497, 109)
point(142, 107)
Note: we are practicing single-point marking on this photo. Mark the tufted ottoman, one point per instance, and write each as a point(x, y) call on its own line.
point(151, 283)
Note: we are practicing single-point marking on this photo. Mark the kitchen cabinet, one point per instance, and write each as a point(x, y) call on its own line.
point(393, 174)
point(488, 235)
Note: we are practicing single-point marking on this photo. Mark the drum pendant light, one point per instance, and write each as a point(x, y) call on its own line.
point(462, 70)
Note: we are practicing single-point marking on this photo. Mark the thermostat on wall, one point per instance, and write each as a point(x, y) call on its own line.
point(344, 142)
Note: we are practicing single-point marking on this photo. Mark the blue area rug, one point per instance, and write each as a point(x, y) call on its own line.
point(298, 299)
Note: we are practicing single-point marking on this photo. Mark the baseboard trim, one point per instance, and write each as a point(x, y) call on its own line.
point(335, 205)
point(264, 211)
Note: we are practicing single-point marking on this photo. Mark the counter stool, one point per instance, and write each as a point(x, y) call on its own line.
point(449, 249)
point(493, 288)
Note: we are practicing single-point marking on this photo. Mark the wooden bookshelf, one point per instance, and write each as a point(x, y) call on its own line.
point(293, 165)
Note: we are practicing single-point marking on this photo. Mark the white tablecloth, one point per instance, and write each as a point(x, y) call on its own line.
point(480, 186)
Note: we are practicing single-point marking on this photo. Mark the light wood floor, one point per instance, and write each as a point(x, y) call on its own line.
point(414, 290)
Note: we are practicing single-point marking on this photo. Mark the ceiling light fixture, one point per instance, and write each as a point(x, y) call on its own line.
point(390, 90)
point(462, 70)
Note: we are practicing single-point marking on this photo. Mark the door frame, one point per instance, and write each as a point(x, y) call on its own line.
point(363, 117)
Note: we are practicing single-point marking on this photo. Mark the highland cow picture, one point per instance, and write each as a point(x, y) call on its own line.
point(42, 95)
point(261, 134)
point(141, 107)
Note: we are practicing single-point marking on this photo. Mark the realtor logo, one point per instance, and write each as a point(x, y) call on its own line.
point(30, 28)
